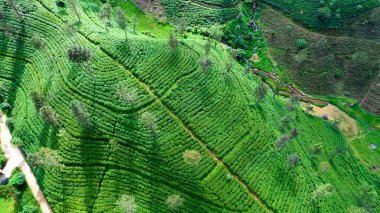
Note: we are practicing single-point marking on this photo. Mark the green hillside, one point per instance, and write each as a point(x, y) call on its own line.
point(136, 147)
point(323, 14)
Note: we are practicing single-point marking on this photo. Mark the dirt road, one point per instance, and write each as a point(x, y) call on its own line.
point(16, 159)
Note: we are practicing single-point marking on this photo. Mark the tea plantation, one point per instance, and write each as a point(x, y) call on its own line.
point(110, 146)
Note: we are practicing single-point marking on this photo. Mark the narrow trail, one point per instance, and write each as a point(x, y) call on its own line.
point(16, 159)
point(294, 91)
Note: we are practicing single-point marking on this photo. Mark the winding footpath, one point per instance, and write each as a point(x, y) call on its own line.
point(15, 159)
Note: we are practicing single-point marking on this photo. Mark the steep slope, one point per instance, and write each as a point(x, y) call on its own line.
point(328, 67)
point(213, 112)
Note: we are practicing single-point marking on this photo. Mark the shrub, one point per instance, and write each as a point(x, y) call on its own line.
point(17, 179)
point(301, 43)
point(174, 201)
point(301, 57)
point(192, 157)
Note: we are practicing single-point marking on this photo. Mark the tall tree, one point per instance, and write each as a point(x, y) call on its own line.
point(74, 5)
point(173, 41)
point(260, 92)
point(134, 22)
point(80, 112)
point(122, 21)
point(47, 158)
point(81, 55)
point(105, 14)
point(15, 8)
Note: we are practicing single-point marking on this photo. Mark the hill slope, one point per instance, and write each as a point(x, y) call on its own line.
point(213, 112)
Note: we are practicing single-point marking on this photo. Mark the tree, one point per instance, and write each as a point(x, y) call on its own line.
point(16, 8)
point(79, 111)
point(321, 43)
point(207, 47)
point(37, 42)
point(134, 22)
point(301, 57)
point(294, 160)
point(369, 197)
point(282, 141)
point(205, 63)
point(323, 190)
point(47, 158)
point(360, 58)
point(324, 166)
point(150, 120)
point(74, 5)
point(260, 92)
point(192, 157)
point(38, 100)
point(216, 33)
point(127, 204)
point(374, 17)
point(122, 21)
point(80, 55)
point(105, 14)
point(174, 201)
point(173, 41)
point(324, 14)
point(126, 94)
point(47, 114)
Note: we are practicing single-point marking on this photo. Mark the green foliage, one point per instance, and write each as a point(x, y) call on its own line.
point(324, 14)
point(192, 157)
point(174, 201)
point(323, 191)
point(301, 43)
point(127, 204)
point(17, 179)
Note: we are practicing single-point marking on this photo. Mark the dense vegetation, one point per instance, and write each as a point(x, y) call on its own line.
point(323, 13)
point(325, 65)
point(141, 123)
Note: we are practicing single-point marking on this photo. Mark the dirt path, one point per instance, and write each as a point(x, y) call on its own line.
point(294, 91)
point(16, 159)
